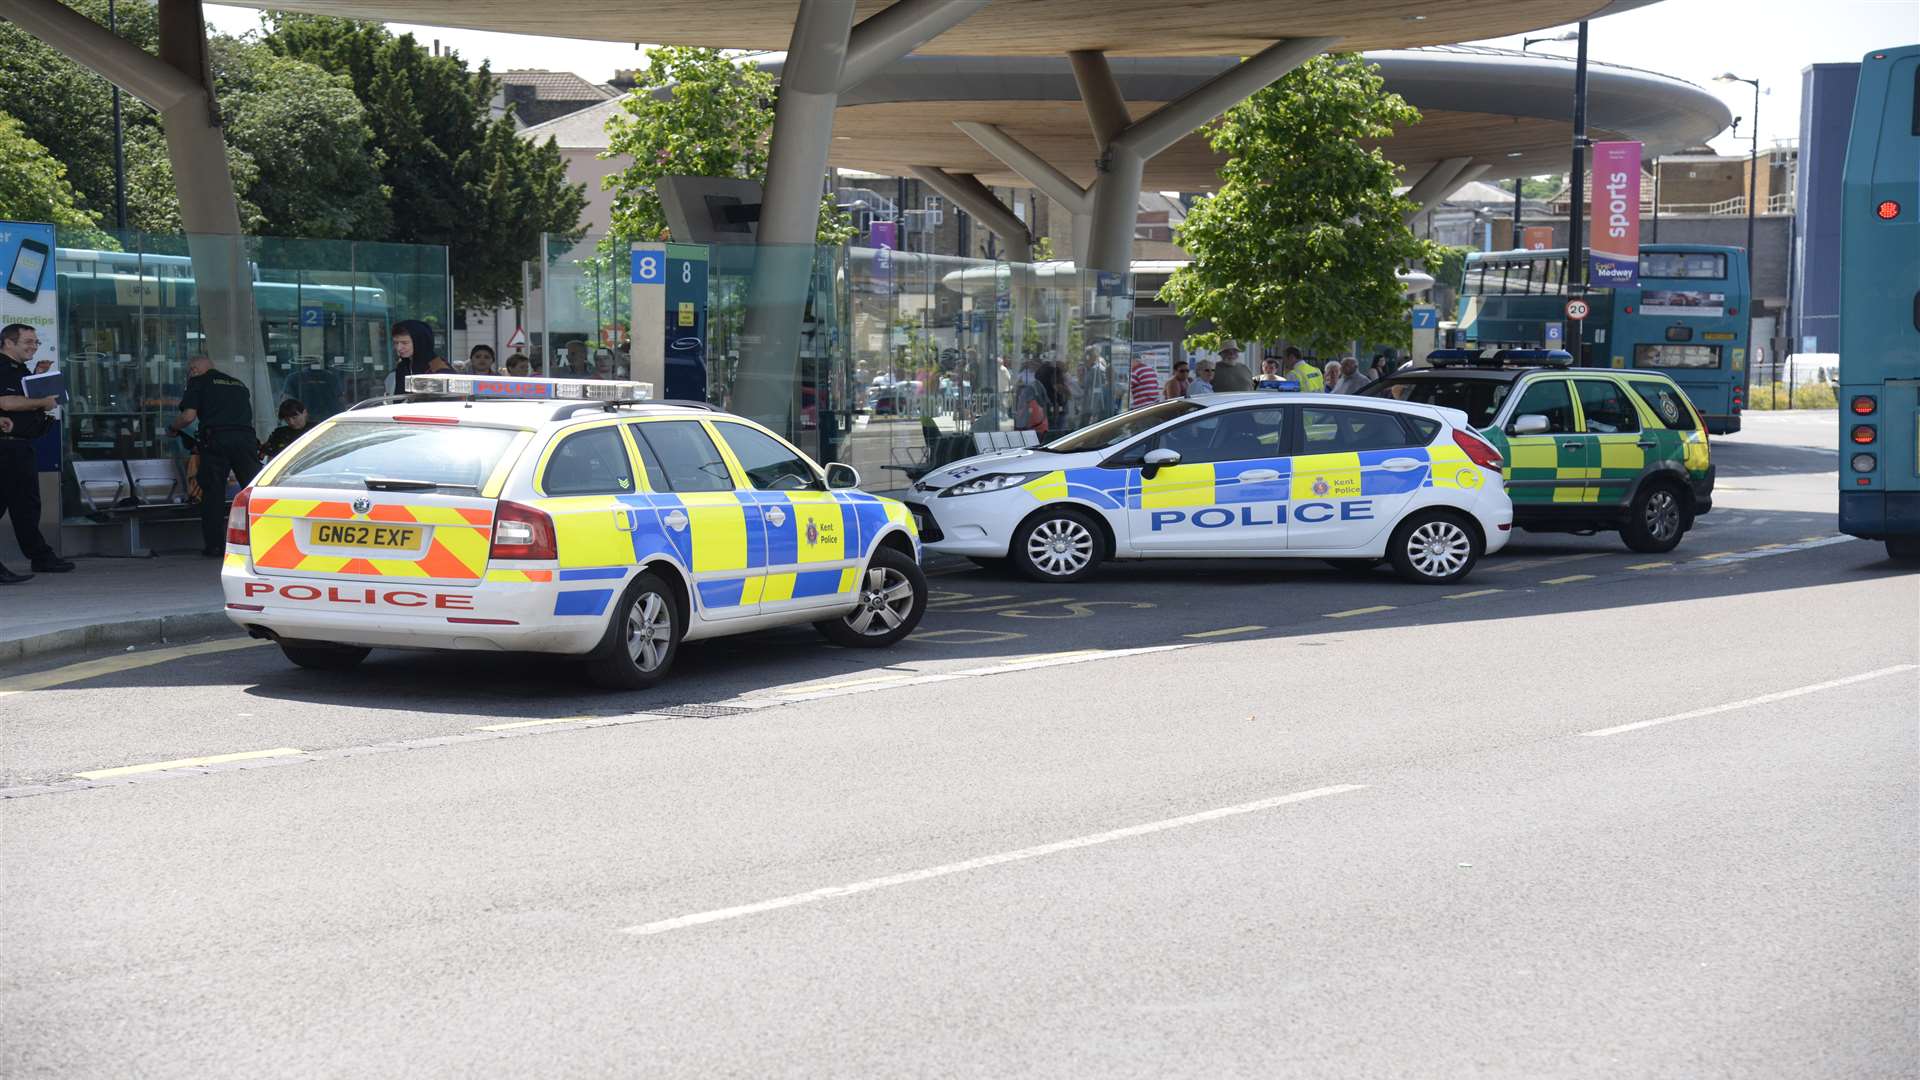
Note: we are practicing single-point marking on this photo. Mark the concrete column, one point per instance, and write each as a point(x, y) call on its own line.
point(969, 194)
point(1435, 185)
point(1116, 194)
point(826, 51)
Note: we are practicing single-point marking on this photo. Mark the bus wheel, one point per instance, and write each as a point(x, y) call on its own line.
point(1907, 550)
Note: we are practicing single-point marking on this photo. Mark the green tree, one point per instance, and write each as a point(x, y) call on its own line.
point(456, 175)
point(1305, 235)
point(693, 112)
point(34, 187)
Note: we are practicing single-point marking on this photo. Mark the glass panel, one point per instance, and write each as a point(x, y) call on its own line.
point(769, 465)
point(1345, 431)
point(1704, 265)
point(1606, 407)
point(1479, 398)
point(688, 460)
point(1548, 398)
point(1666, 403)
point(1676, 356)
point(1240, 435)
point(590, 463)
point(1121, 428)
point(348, 453)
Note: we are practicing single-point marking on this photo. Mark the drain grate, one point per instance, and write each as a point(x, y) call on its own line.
point(700, 712)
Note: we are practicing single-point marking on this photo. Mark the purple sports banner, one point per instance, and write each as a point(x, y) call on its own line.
point(1616, 214)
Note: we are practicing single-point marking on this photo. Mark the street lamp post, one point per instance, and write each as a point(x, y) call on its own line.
point(1753, 184)
point(1518, 181)
point(119, 144)
point(1577, 222)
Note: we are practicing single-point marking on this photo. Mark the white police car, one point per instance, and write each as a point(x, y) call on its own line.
point(1348, 479)
point(558, 516)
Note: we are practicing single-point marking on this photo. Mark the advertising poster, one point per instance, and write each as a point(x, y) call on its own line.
point(1697, 303)
point(1536, 237)
point(1616, 214)
point(686, 323)
point(26, 257)
point(884, 236)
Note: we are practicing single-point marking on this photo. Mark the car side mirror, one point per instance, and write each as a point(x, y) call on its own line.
point(1150, 465)
point(1530, 424)
point(841, 475)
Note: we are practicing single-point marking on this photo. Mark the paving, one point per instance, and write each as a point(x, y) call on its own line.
point(1590, 813)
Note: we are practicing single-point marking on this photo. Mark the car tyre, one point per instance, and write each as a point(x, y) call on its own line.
point(642, 639)
point(1656, 520)
point(321, 656)
point(1434, 547)
point(1058, 545)
point(893, 597)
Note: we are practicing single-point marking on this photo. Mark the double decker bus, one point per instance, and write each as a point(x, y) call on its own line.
point(1687, 319)
point(1880, 307)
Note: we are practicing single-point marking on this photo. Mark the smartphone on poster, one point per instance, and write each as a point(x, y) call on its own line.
point(29, 265)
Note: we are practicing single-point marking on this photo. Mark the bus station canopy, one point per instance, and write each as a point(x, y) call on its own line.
point(1507, 110)
point(1008, 28)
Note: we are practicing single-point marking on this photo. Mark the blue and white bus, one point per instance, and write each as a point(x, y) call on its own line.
point(1880, 307)
point(1686, 319)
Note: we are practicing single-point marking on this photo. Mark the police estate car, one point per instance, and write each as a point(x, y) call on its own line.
point(1586, 449)
point(1352, 480)
point(580, 520)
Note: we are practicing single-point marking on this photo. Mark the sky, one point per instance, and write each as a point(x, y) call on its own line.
point(1768, 40)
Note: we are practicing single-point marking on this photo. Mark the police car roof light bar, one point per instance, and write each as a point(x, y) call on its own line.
point(509, 388)
point(1555, 358)
point(1451, 357)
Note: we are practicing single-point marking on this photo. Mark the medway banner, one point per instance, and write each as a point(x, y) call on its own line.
point(1616, 214)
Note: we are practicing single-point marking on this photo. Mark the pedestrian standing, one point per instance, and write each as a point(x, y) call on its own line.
point(293, 424)
point(1178, 385)
point(1303, 371)
point(520, 365)
point(413, 354)
point(1230, 375)
point(1330, 375)
point(1352, 379)
point(1202, 379)
point(1143, 387)
point(223, 408)
point(23, 419)
point(480, 360)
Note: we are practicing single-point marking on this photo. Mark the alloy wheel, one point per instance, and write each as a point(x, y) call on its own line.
point(1663, 515)
point(1061, 546)
point(1439, 549)
point(885, 603)
point(649, 631)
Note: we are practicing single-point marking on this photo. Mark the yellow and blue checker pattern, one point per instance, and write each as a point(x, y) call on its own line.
point(738, 554)
point(1304, 478)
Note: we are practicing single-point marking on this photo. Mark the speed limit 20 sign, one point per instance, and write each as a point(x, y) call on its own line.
point(1577, 309)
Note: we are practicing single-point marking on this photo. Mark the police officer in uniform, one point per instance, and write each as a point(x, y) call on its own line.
point(22, 420)
point(227, 443)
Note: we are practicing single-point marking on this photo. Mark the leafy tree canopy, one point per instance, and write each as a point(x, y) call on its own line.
point(1304, 238)
point(693, 112)
point(34, 187)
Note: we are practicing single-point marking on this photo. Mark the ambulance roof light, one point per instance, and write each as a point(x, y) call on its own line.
point(507, 388)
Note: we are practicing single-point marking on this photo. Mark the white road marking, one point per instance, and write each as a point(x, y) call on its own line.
point(534, 723)
point(1224, 633)
point(1357, 611)
point(1763, 699)
point(1471, 595)
point(186, 763)
point(1568, 580)
point(832, 892)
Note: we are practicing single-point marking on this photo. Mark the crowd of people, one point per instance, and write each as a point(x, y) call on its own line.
point(1223, 373)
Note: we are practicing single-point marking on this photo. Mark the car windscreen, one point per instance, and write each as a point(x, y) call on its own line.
point(347, 455)
point(1480, 399)
point(1123, 427)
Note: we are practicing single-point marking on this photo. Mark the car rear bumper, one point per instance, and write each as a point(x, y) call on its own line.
point(397, 613)
point(1880, 515)
point(1703, 492)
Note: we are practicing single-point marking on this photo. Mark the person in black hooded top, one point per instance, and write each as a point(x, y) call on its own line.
point(413, 354)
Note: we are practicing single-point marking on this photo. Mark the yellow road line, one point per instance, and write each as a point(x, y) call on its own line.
point(956, 610)
point(1715, 555)
point(968, 600)
point(108, 665)
point(1358, 611)
point(1649, 565)
point(1471, 595)
point(1528, 564)
point(1037, 658)
point(1224, 633)
point(534, 723)
point(184, 763)
point(1570, 578)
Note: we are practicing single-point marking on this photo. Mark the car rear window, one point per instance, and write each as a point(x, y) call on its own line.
point(1479, 398)
point(346, 455)
point(1666, 403)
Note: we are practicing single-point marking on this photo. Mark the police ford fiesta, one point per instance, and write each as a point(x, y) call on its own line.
point(1347, 479)
point(573, 517)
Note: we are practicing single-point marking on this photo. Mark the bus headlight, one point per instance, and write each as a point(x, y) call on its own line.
point(1864, 462)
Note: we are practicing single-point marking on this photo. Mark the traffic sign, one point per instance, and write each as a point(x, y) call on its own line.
point(311, 317)
point(1577, 309)
point(649, 266)
point(1426, 318)
point(519, 338)
point(1556, 333)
